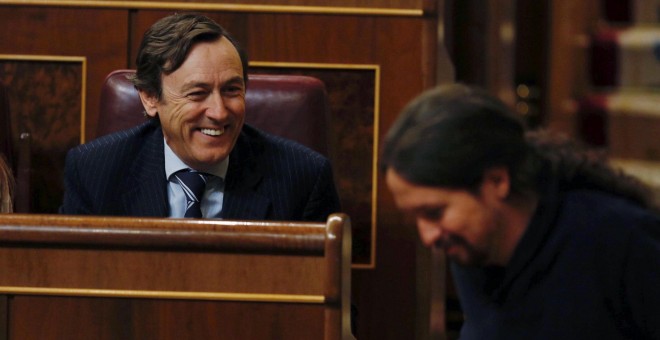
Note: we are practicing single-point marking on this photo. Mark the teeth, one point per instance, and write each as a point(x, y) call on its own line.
point(213, 132)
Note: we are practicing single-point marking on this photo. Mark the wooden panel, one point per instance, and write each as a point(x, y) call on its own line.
point(91, 277)
point(169, 272)
point(100, 37)
point(401, 45)
point(334, 40)
point(383, 7)
point(53, 122)
point(52, 253)
point(103, 318)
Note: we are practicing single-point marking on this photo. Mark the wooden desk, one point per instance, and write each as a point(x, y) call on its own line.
point(75, 277)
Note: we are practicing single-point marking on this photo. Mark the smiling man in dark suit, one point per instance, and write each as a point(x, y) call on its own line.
point(192, 79)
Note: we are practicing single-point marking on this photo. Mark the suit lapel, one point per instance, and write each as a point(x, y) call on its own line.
point(146, 185)
point(241, 199)
point(146, 193)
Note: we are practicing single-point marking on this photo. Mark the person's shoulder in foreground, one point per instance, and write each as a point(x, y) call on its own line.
point(588, 268)
point(546, 240)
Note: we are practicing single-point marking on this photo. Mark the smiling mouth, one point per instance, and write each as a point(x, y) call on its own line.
point(213, 132)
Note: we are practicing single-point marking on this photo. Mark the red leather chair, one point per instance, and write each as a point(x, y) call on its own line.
point(290, 106)
point(17, 156)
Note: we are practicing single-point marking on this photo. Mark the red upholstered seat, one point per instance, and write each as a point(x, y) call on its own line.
point(291, 106)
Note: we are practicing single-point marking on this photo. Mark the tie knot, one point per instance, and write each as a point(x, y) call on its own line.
point(192, 180)
point(193, 184)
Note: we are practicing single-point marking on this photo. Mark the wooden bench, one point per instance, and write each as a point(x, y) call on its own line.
point(83, 277)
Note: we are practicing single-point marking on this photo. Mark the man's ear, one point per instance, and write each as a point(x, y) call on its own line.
point(149, 102)
point(498, 177)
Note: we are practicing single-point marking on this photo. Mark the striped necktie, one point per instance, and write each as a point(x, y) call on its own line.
point(193, 184)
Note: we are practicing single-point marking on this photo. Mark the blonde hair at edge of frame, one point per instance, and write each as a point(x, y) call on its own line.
point(6, 187)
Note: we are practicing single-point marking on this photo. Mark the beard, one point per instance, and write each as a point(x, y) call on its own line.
point(466, 254)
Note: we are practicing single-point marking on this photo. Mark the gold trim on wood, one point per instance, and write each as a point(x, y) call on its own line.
point(64, 59)
point(374, 169)
point(255, 8)
point(374, 193)
point(244, 297)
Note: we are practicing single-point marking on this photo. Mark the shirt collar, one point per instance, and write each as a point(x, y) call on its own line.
point(173, 164)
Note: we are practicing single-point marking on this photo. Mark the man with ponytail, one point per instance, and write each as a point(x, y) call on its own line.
point(545, 239)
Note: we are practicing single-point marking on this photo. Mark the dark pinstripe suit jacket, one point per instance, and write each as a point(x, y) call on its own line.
point(269, 178)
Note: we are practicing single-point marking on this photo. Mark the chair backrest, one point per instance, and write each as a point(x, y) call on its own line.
point(290, 106)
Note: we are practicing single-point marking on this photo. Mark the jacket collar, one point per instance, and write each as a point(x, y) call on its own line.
point(245, 172)
point(146, 186)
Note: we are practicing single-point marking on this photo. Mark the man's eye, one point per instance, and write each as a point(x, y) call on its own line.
point(196, 94)
point(233, 90)
point(431, 214)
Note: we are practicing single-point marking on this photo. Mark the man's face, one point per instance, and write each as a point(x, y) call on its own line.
point(202, 107)
point(466, 226)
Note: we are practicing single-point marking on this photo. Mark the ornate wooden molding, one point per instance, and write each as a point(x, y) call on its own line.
point(233, 7)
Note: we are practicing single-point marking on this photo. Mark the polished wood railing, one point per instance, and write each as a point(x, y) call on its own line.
point(81, 277)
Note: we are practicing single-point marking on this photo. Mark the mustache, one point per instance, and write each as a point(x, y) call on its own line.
point(449, 241)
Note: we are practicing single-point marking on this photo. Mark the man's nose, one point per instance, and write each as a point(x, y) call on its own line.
point(429, 233)
point(216, 107)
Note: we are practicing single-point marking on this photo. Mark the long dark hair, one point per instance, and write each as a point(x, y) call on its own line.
point(448, 136)
point(580, 167)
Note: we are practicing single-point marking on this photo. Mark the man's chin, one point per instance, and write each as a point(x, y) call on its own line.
point(207, 162)
point(466, 260)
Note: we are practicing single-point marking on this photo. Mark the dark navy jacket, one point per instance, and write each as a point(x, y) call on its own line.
point(588, 267)
point(269, 178)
